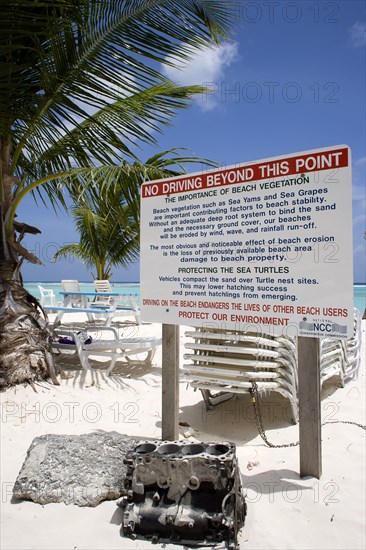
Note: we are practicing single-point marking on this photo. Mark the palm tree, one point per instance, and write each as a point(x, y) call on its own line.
point(109, 236)
point(108, 220)
point(80, 83)
point(109, 230)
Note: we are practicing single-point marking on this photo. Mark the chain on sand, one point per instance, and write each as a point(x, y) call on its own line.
point(258, 418)
point(259, 421)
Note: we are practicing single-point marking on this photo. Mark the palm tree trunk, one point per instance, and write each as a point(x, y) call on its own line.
point(25, 353)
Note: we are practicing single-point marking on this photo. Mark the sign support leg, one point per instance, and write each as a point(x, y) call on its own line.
point(309, 407)
point(170, 382)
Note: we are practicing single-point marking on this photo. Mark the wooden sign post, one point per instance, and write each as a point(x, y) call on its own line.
point(309, 406)
point(170, 382)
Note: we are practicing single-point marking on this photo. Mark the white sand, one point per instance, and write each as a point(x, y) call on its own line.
point(284, 511)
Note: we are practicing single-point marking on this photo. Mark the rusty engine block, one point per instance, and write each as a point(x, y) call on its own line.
point(183, 492)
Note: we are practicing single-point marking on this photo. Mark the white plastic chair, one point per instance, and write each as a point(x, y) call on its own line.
point(125, 303)
point(103, 286)
point(230, 361)
point(48, 298)
point(71, 285)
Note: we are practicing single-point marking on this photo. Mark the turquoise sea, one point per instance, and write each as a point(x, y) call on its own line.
point(122, 288)
point(359, 291)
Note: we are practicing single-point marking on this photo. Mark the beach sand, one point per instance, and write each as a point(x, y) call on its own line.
point(284, 511)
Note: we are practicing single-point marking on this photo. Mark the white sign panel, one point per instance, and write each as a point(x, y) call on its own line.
point(265, 245)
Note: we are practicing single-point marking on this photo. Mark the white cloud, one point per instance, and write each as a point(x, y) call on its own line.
point(358, 34)
point(358, 191)
point(361, 161)
point(206, 68)
point(360, 219)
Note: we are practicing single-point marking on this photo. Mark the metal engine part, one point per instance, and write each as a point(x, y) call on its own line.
point(184, 493)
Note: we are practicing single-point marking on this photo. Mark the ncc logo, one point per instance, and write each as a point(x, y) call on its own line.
point(323, 327)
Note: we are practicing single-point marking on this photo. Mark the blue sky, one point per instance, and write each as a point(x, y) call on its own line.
point(292, 79)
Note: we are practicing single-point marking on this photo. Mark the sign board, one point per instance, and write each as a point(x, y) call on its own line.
point(264, 246)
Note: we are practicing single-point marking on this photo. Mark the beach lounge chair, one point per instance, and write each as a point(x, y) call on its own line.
point(48, 298)
point(342, 358)
point(103, 287)
point(70, 285)
point(228, 362)
point(125, 304)
point(91, 342)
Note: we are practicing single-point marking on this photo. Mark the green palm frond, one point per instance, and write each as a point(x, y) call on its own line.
point(117, 126)
point(107, 209)
point(71, 249)
point(87, 54)
point(109, 235)
point(81, 88)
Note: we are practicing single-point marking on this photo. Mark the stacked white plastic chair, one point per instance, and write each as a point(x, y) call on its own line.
point(352, 349)
point(342, 357)
point(332, 358)
point(228, 362)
